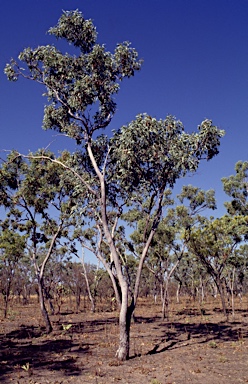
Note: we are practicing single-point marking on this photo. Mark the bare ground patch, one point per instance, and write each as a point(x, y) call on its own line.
point(193, 346)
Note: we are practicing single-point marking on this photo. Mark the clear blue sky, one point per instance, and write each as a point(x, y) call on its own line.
point(195, 67)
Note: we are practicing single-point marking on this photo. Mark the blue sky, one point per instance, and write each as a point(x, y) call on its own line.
point(195, 67)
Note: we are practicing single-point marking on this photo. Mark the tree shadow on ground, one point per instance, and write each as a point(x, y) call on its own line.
point(23, 348)
point(146, 320)
point(193, 312)
point(79, 326)
point(181, 334)
point(60, 350)
point(89, 326)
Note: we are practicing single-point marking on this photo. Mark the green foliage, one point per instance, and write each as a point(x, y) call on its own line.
point(154, 154)
point(222, 233)
point(236, 186)
point(197, 199)
point(12, 245)
point(26, 367)
point(75, 83)
point(75, 29)
point(215, 242)
point(36, 199)
point(212, 344)
point(66, 327)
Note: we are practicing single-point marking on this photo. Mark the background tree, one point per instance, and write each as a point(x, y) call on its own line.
point(12, 248)
point(214, 243)
point(162, 258)
point(236, 186)
point(137, 165)
point(74, 280)
point(39, 205)
point(23, 280)
point(240, 263)
point(169, 244)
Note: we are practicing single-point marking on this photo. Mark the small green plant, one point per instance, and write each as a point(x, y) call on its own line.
point(12, 315)
point(155, 381)
point(222, 359)
point(212, 344)
point(26, 367)
point(66, 327)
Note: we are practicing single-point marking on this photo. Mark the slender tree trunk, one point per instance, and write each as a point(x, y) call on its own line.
point(178, 291)
point(49, 299)
point(6, 292)
point(124, 328)
point(6, 296)
point(161, 292)
point(165, 306)
point(93, 307)
point(166, 290)
point(6, 302)
point(24, 295)
point(202, 295)
point(43, 307)
point(78, 298)
point(222, 296)
point(232, 280)
point(165, 303)
point(39, 274)
point(115, 282)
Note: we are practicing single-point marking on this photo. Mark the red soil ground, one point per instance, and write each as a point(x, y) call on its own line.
point(196, 345)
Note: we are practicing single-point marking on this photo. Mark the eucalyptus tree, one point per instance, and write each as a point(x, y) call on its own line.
point(236, 187)
point(193, 279)
point(23, 281)
point(214, 242)
point(236, 274)
point(193, 201)
point(12, 250)
point(74, 279)
point(37, 204)
point(130, 170)
point(162, 256)
point(169, 244)
point(240, 264)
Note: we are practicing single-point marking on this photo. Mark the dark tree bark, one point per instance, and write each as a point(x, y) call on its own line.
point(43, 306)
